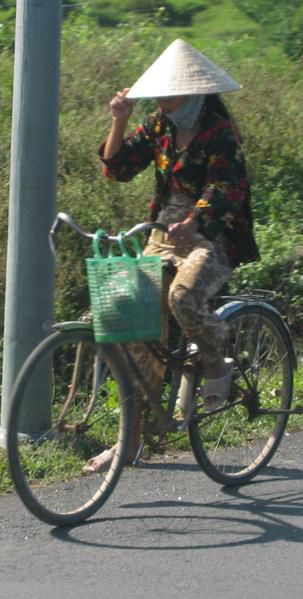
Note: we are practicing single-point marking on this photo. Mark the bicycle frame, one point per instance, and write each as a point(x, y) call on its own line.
point(183, 356)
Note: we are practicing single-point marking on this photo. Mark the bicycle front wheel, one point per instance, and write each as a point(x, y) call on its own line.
point(233, 444)
point(88, 409)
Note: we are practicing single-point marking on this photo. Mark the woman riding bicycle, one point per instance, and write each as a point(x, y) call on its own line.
point(202, 195)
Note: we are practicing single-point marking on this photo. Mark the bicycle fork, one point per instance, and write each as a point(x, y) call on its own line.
point(96, 381)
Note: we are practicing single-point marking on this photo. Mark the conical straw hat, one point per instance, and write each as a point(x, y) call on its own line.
point(179, 71)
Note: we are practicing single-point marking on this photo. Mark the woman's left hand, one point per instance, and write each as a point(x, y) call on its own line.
point(183, 232)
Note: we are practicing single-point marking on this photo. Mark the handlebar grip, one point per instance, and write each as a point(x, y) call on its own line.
point(143, 227)
point(55, 226)
point(64, 217)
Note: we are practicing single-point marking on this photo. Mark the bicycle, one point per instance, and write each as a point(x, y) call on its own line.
point(91, 405)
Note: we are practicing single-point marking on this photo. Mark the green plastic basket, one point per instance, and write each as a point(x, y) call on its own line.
point(125, 294)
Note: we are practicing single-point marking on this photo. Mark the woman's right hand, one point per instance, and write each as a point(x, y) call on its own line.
point(121, 107)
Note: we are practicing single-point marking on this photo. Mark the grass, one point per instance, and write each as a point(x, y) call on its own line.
point(6, 485)
point(221, 21)
point(221, 30)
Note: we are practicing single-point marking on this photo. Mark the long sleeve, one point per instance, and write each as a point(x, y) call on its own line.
point(135, 154)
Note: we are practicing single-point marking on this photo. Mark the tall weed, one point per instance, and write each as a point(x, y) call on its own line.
point(95, 63)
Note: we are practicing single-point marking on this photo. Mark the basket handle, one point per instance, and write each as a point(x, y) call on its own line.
point(100, 233)
point(96, 242)
point(134, 242)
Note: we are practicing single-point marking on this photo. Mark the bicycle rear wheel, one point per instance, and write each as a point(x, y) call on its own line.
point(233, 444)
point(90, 409)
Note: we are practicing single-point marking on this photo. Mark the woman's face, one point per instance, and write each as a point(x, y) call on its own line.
point(171, 103)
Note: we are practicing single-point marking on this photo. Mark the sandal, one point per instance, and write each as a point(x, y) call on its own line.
point(215, 391)
point(100, 462)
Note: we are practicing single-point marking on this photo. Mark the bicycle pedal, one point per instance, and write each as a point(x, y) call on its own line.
point(138, 454)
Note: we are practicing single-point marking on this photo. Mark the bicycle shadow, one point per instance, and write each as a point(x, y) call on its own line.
point(269, 471)
point(240, 517)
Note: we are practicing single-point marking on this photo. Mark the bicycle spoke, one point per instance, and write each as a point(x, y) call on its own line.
point(237, 440)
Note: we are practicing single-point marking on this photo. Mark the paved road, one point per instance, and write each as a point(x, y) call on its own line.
point(167, 532)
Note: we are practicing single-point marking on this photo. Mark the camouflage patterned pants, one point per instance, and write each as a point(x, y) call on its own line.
point(202, 269)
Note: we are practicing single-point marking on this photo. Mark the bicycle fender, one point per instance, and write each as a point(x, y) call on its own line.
point(70, 324)
point(227, 309)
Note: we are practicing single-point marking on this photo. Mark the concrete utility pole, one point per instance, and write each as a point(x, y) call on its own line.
point(32, 204)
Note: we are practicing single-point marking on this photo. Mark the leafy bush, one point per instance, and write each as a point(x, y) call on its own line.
point(282, 22)
point(5, 128)
point(280, 270)
point(176, 15)
point(273, 139)
point(7, 23)
point(172, 12)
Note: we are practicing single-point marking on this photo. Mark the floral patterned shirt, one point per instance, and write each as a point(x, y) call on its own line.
point(210, 170)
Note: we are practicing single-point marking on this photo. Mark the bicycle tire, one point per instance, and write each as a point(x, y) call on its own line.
point(233, 445)
point(47, 467)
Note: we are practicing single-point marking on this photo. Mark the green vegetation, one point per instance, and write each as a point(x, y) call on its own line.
point(106, 46)
point(5, 479)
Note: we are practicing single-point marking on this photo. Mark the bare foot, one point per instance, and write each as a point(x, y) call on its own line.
point(100, 462)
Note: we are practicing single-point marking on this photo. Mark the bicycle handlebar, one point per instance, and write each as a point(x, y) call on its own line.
point(64, 217)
